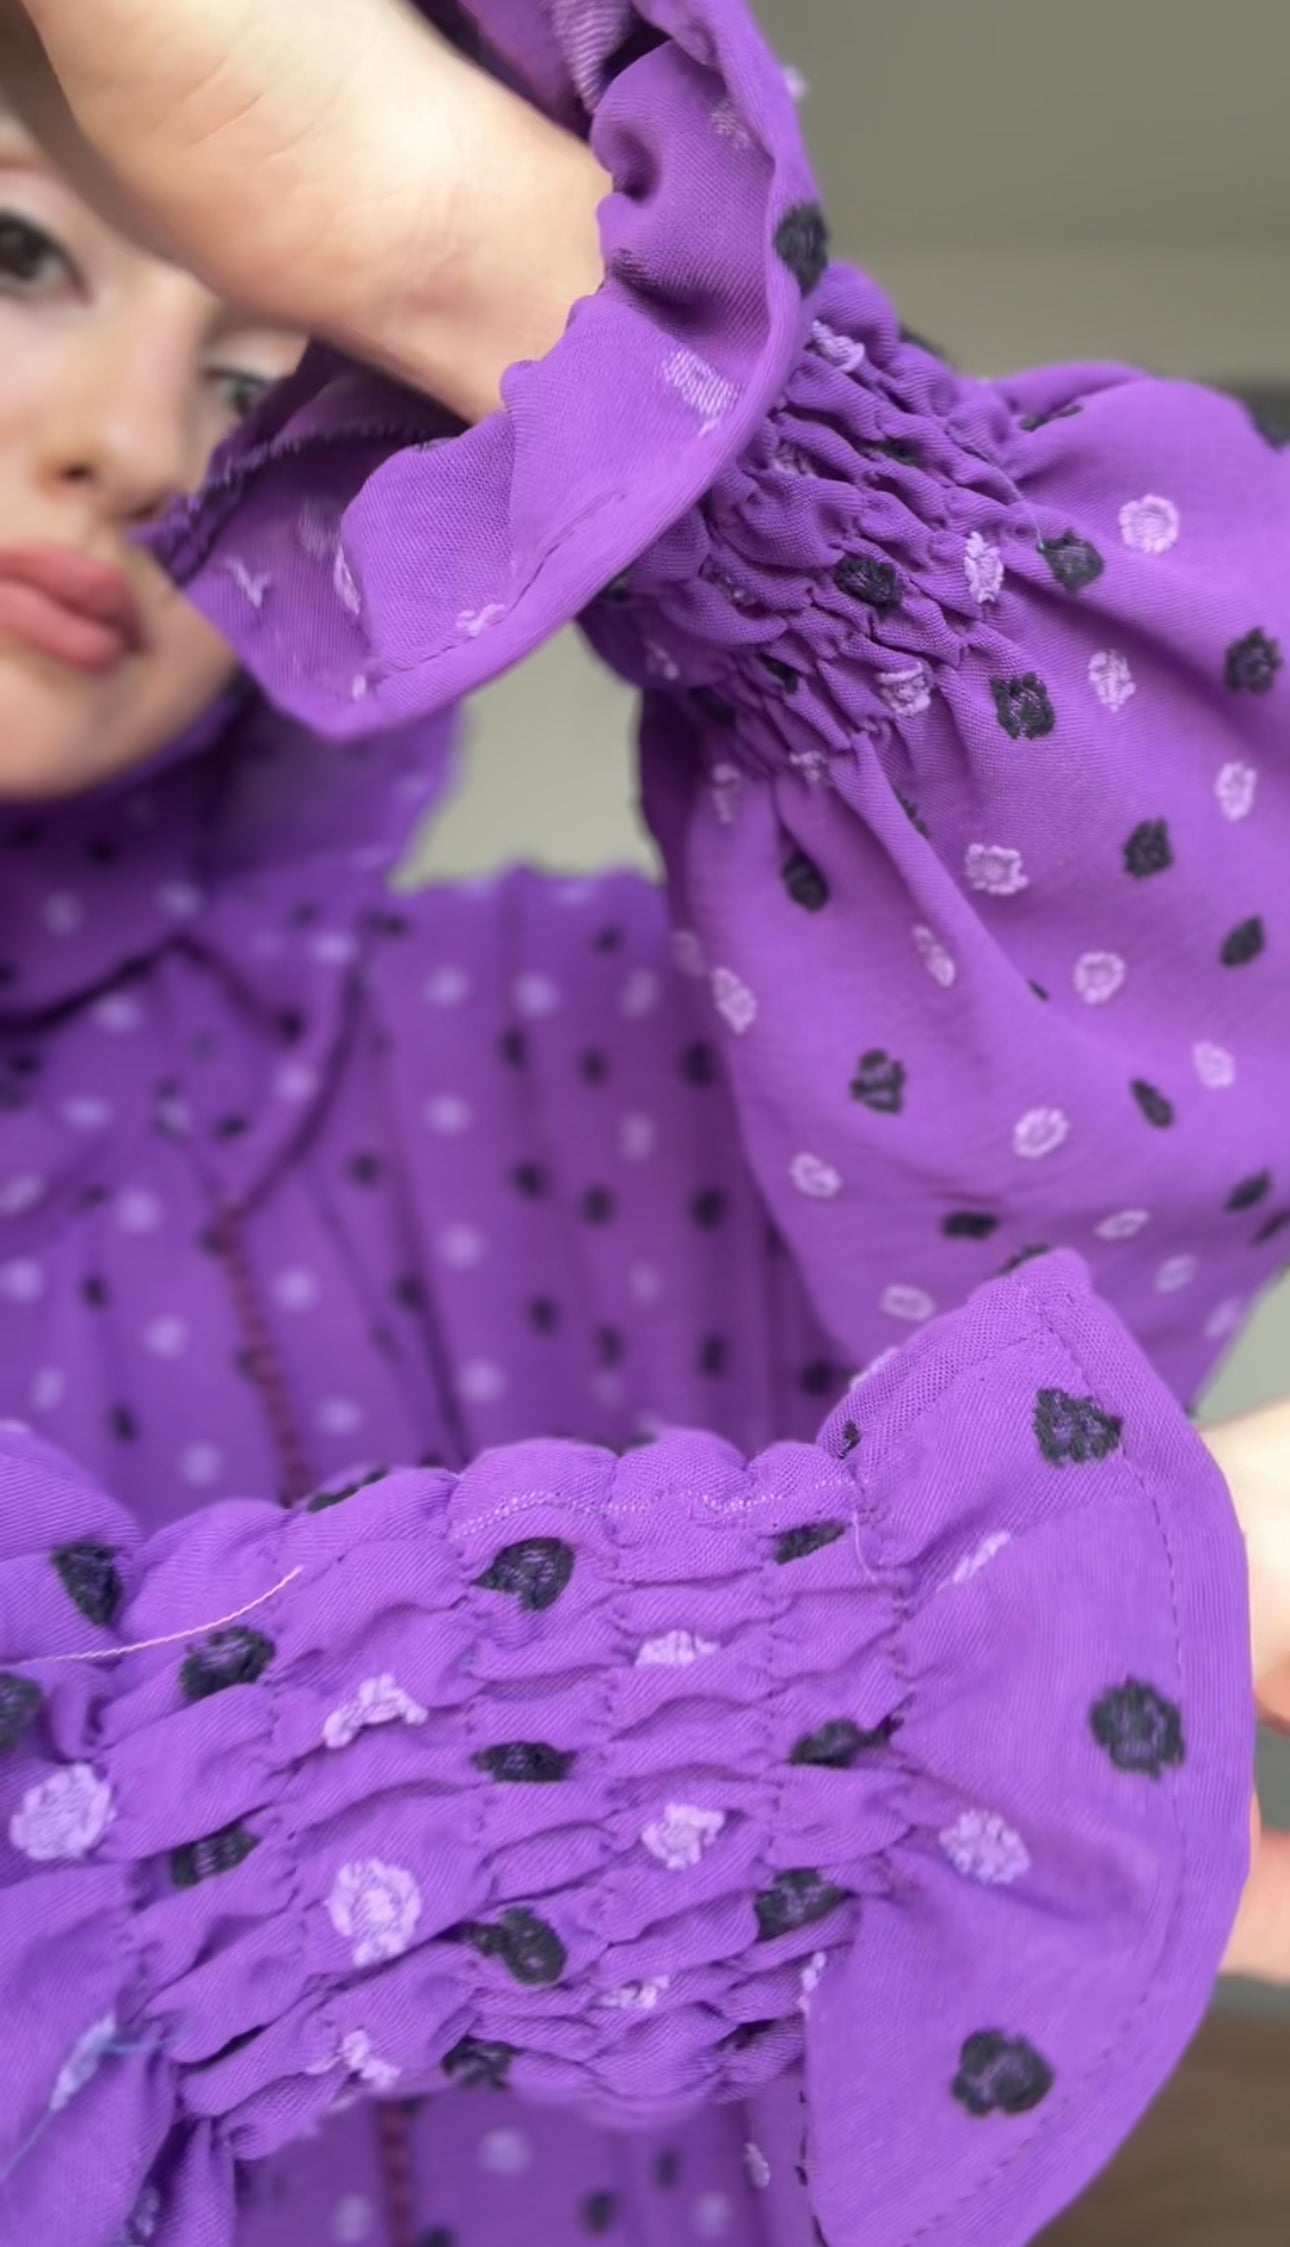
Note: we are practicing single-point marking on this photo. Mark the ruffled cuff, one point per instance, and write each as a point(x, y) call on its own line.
point(926, 1750)
point(368, 566)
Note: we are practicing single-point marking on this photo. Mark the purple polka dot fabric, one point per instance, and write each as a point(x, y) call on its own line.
point(755, 1835)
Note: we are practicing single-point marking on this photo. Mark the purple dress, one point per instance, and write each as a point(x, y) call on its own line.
point(741, 1835)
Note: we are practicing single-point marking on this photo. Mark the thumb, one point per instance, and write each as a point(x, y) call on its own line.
point(1260, 1945)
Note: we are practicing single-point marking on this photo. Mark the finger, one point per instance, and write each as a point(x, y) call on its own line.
point(1260, 1945)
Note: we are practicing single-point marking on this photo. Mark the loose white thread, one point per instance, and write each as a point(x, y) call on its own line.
point(172, 1638)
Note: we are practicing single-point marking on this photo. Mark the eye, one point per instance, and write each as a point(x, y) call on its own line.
point(31, 262)
point(238, 392)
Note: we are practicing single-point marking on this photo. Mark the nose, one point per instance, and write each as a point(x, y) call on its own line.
point(123, 427)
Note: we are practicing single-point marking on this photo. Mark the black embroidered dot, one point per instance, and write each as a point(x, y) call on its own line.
point(236, 1656)
point(1154, 1106)
point(513, 1048)
point(338, 1494)
point(123, 1423)
point(877, 584)
point(902, 449)
point(837, 1744)
point(747, 2034)
point(793, 1900)
point(1073, 561)
point(970, 1225)
point(1250, 1192)
point(1271, 426)
point(1001, 2075)
point(599, 2213)
point(708, 1208)
point(1148, 850)
point(1023, 707)
point(804, 882)
point(231, 1127)
point(409, 1292)
point(611, 1345)
point(543, 1315)
point(1074, 1430)
point(667, 2169)
point(366, 1169)
point(850, 1439)
point(598, 1206)
point(528, 1948)
point(913, 815)
point(1025, 1255)
point(802, 241)
point(713, 1356)
point(478, 2064)
point(819, 1379)
point(698, 1064)
point(1039, 991)
point(533, 1572)
point(1251, 664)
point(784, 673)
point(525, 1763)
point(1140, 1731)
point(530, 1180)
point(809, 1537)
point(438, 2236)
point(714, 706)
point(89, 1576)
point(216, 1853)
point(20, 1698)
point(1272, 1228)
point(1244, 944)
point(879, 1082)
point(1031, 422)
point(593, 1067)
point(619, 588)
point(95, 1292)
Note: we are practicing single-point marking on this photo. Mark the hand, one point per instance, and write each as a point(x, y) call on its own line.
point(338, 169)
point(1254, 1455)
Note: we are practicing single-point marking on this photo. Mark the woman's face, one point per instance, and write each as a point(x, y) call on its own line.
point(118, 377)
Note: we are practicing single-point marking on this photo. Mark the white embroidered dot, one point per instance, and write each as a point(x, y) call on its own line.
point(638, 1997)
point(996, 870)
point(1175, 1274)
point(1099, 976)
point(1150, 525)
point(333, 947)
point(811, 1976)
point(939, 963)
point(201, 1464)
point(295, 1291)
point(906, 693)
point(118, 1014)
point(64, 1817)
point(645, 1284)
point(48, 1388)
point(448, 986)
point(911, 1303)
point(138, 1211)
point(461, 1247)
point(535, 997)
point(727, 784)
point(687, 952)
point(342, 577)
point(725, 119)
point(1112, 680)
point(340, 1416)
point(980, 1557)
point(62, 913)
point(253, 588)
point(296, 1083)
point(1226, 1318)
point(840, 350)
point(379, 1700)
point(84, 1112)
point(733, 1000)
point(637, 1137)
point(1040, 1132)
point(449, 1115)
point(166, 1337)
point(1124, 1225)
point(982, 1847)
point(1236, 788)
point(870, 1372)
point(141, 2226)
point(639, 995)
point(353, 2220)
point(18, 1195)
point(757, 2166)
point(1214, 1066)
point(481, 1382)
point(818, 1180)
point(318, 528)
point(358, 2057)
point(374, 1907)
point(708, 394)
point(83, 2062)
point(505, 2153)
point(683, 1835)
point(675, 1650)
point(659, 663)
point(713, 2213)
point(181, 901)
point(22, 1280)
point(983, 567)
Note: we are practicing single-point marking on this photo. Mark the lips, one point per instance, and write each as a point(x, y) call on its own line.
point(63, 604)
